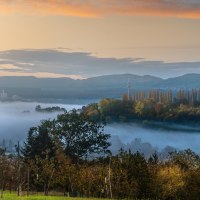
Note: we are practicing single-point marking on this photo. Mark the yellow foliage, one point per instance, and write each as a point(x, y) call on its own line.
point(171, 179)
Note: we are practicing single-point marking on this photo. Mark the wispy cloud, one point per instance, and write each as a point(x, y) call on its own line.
point(39, 74)
point(76, 65)
point(95, 8)
point(4, 67)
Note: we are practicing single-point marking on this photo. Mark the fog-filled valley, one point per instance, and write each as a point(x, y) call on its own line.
point(17, 118)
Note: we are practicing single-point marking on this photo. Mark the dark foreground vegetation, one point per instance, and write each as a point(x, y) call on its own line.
point(181, 107)
point(70, 155)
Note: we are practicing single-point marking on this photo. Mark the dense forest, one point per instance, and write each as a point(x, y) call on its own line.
point(156, 105)
point(70, 155)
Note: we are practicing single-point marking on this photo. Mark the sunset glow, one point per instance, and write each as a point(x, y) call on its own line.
point(87, 8)
point(157, 30)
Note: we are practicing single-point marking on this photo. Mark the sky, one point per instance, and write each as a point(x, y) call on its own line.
point(156, 37)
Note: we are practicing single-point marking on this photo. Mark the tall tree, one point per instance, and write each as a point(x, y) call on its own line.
point(80, 135)
point(75, 132)
point(39, 143)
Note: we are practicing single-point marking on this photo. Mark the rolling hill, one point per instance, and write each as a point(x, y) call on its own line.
point(70, 90)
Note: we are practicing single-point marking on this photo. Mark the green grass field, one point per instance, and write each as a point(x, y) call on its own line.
point(8, 196)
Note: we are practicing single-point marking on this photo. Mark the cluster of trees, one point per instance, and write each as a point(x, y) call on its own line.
point(38, 108)
point(188, 97)
point(50, 148)
point(70, 155)
point(126, 175)
point(61, 155)
point(145, 109)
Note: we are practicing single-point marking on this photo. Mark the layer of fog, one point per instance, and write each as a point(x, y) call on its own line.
point(17, 118)
point(15, 121)
point(138, 138)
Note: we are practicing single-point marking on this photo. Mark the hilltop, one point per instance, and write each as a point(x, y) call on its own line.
point(91, 89)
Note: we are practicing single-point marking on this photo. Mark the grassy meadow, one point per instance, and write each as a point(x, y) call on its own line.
point(13, 196)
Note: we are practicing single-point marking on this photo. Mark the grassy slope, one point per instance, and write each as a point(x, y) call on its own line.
point(13, 196)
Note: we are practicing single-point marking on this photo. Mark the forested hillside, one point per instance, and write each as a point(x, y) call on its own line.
point(111, 86)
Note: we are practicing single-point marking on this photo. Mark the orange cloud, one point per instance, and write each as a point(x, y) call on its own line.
point(47, 7)
point(95, 8)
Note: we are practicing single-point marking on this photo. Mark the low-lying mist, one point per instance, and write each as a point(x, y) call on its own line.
point(138, 138)
point(17, 118)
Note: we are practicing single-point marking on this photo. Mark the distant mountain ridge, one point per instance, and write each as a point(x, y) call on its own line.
point(187, 81)
point(108, 86)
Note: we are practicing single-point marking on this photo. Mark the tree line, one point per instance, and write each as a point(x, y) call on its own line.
point(163, 106)
point(126, 175)
point(70, 155)
point(38, 108)
point(181, 96)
